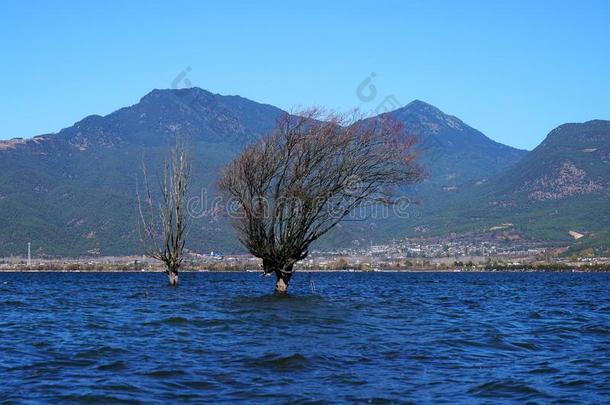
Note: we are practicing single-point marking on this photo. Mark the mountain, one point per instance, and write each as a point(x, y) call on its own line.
point(563, 185)
point(456, 158)
point(454, 154)
point(73, 193)
point(571, 162)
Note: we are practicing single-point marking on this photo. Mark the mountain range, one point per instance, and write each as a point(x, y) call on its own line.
point(73, 193)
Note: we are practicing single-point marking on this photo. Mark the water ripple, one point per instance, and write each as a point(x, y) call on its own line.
point(363, 338)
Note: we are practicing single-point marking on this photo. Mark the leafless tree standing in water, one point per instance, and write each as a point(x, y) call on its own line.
point(164, 225)
point(297, 183)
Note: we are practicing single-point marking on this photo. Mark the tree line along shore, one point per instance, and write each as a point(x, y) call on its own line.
point(340, 264)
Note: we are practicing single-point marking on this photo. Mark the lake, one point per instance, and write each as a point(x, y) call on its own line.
point(337, 338)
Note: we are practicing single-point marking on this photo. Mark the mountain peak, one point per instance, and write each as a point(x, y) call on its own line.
point(587, 125)
point(590, 135)
point(421, 105)
point(192, 93)
point(429, 116)
point(192, 113)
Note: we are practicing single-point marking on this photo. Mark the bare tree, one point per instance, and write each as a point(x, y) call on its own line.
point(164, 224)
point(300, 181)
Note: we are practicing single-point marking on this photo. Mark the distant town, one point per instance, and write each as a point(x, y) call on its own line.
point(434, 254)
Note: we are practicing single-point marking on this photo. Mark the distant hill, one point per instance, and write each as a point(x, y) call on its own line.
point(456, 158)
point(571, 162)
point(562, 185)
point(454, 154)
point(73, 193)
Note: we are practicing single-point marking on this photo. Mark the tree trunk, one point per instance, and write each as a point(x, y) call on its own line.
point(282, 280)
point(283, 273)
point(173, 277)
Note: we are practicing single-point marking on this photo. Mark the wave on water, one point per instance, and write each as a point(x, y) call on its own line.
point(369, 338)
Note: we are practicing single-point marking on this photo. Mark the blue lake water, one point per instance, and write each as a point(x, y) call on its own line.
point(360, 337)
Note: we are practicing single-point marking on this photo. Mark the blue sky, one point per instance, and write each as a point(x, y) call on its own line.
point(514, 70)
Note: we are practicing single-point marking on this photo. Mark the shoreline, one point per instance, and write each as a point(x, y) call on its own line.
point(430, 270)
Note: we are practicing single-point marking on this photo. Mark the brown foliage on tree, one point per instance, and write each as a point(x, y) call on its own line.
point(164, 224)
point(301, 180)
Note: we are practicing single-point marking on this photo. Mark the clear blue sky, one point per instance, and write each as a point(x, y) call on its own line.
point(511, 69)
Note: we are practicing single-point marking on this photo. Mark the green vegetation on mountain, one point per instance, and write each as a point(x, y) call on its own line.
point(73, 193)
point(561, 186)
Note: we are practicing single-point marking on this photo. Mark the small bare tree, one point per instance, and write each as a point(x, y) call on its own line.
point(297, 183)
point(164, 225)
